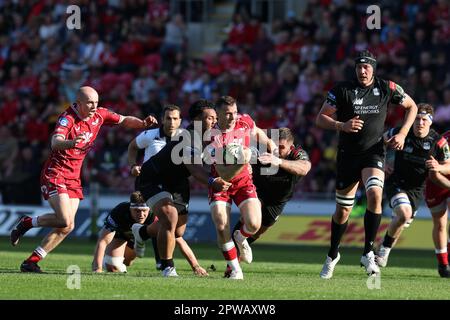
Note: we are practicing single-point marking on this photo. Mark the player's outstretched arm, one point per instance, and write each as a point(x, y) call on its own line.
point(136, 123)
point(105, 237)
point(190, 257)
point(297, 167)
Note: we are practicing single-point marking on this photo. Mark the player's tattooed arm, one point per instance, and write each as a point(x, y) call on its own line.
point(105, 238)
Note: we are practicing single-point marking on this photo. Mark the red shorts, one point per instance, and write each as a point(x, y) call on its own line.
point(241, 190)
point(436, 197)
point(52, 186)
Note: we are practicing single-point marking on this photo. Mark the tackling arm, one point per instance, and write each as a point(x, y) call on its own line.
point(136, 123)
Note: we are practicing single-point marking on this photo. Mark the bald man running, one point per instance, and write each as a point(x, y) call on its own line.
point(72, 139)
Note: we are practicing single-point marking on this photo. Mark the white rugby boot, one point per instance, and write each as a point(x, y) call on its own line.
point(368, 262)
point(169, 272)
point(382, 256)
point(328, 267)
point(245, 251)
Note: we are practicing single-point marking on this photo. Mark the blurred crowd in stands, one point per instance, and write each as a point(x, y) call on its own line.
point(134, 53)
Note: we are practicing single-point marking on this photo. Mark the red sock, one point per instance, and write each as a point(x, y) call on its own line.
point(27, 222)
point(35, 257)
point(442, 258)
point(245, 234)
point(230, 254)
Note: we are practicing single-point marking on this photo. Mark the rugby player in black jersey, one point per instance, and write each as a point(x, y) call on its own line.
point(405, 186)
point(165, 186)
point(357, 110)
point(275, 190)
point(115, 245)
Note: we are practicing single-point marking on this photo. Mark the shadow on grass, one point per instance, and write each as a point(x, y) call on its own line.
point(261, 252)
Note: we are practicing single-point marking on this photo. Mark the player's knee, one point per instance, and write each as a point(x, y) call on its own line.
point(65, 224)
point(179, 233)
point(403, 216)
point(374, 189)
point(253, 226)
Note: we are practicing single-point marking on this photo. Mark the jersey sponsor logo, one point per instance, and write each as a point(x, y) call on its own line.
point(427, 145)
point(358, 101)
point(63, 121)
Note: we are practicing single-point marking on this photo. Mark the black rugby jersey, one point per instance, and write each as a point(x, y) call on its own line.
point(120, 220)
point(409, 166)
point(168, 165)
point(277, 189)
point(370, 104)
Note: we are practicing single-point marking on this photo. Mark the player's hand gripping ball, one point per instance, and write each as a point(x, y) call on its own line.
point(233, 153)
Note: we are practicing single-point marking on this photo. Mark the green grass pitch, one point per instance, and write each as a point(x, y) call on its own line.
point(278, 272)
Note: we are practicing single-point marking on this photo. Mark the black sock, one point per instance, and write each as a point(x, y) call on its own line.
point(166, 263)
point(143, 233)
point(337, 231)
point(388, 241)
point(250, 240)
point(371, 224)
point(155, 249)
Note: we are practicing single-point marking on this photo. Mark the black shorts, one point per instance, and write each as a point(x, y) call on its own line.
point(270, 214)
point(415, 195)
point(154, 190)
point(349, 166)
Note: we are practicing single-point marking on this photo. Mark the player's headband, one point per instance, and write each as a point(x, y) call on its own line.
point(142, 206)
point(428, 116)
point(368, 60)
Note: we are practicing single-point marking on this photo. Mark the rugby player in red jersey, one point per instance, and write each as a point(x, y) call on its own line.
point(73, 137)
point(437, 197)
point(237, 129)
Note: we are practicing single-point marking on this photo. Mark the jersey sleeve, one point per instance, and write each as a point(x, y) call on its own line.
point(144, 139)
point(442, 150)
point(397, 93)
point(299, 154)
point(63, 126)
point(109, 117)
point(334, 96)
